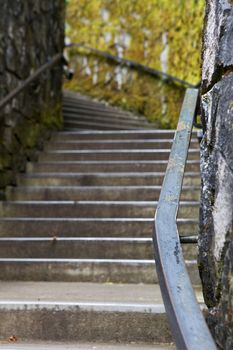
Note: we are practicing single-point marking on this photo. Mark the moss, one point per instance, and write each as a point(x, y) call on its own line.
point(27, 133)
point(5, 159)
point(28, 136)
point(6, 177)
point(52, 117)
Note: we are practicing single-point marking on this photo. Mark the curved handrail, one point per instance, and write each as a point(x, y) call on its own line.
point(188, 326)
point(134, 64)
point(8, 98)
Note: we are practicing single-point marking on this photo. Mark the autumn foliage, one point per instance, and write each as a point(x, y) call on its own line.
point(162, 34)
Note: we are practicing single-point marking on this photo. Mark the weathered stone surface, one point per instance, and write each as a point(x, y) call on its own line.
point(217, 181)
point(221, 317)
point(217, 41)
point(31, 33)
point(216, 214)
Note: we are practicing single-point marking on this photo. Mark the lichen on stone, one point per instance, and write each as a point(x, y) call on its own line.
point(216, 214)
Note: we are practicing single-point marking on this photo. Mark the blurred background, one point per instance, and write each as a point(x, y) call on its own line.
point(161, 34)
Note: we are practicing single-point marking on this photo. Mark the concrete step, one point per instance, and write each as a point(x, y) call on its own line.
point(110, 155)
point(101, 179)
point(87, 232)
point(100, 110)
point(84, 109)
point(95, 125)
point(83, 248)
point(116, 122)
point(116, 144)
point(85, 292)
point(114, 134)
point(87, 227)
point(111, 193)
point(67, 345)
point(86, 270)
point(75, 312)
point(85, 209)
point(102, 118)
point(106, 166)
point(69, 95)
point(96, 106)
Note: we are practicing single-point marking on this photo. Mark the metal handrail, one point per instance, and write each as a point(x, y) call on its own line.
point(189, 329)
point(133, 64)
point(8, 98)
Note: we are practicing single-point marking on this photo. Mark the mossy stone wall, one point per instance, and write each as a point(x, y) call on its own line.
point(31, 33)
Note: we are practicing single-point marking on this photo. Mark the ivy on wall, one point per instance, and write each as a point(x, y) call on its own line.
point(162, 34)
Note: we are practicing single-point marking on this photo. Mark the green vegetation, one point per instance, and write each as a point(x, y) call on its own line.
point(162, 34)
point(26, 138)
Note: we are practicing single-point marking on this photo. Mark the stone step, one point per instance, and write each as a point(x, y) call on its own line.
point(106, 166)
point(83, 248)
point(110, 155)
point(101, 118)
point(75, 312)
point(86, 270)
point(113, 135)
point(101, 179)
point(116, 144)
point(85, 209)
point(83, 227)
point(78, 193)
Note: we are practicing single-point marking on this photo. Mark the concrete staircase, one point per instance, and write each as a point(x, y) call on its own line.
point(76, 258)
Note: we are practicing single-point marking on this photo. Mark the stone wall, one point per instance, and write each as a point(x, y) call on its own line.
point(216, 215)
point(31, 32)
